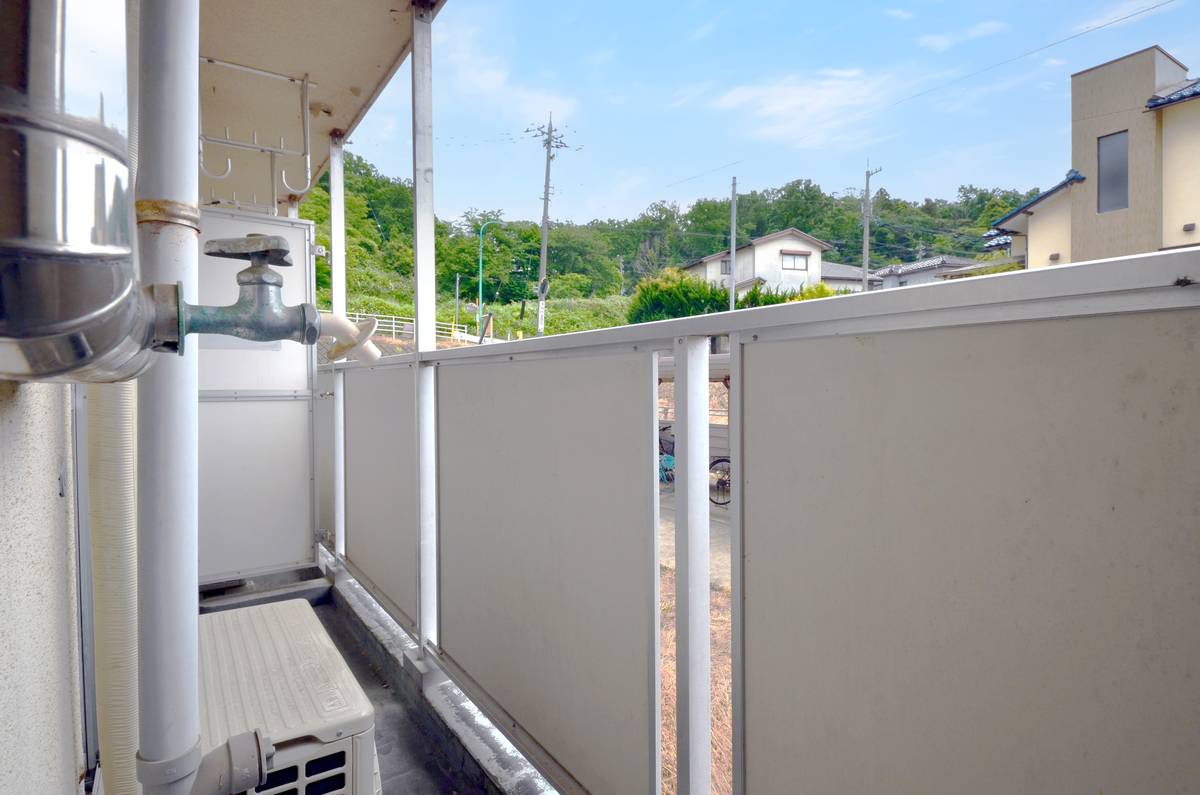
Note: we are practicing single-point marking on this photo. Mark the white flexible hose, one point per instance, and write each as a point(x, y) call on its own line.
point(352, 339)
point(112, 510)
point(112, 515)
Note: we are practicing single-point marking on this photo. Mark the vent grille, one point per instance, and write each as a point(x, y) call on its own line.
point(318, 775)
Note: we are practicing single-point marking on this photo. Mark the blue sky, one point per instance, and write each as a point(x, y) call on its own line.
point(657, 93)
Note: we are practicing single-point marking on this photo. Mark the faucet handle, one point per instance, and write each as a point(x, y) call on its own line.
point(259, 249)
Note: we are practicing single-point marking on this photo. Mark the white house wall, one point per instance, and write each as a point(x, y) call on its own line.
point(765, 261)
point(768, 263)
point(40, 736)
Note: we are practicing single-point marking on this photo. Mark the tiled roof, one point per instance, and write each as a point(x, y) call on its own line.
point(940, 261)
point(1190, 90)
point(997, 240)
point(1072, 176)
point(836, 270)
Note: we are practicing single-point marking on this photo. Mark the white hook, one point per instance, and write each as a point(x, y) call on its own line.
point(284, 180)
point(228, 166)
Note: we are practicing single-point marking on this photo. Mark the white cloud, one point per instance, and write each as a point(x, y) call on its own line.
point(982, 99)
point(898, 13)
point(940, 42)
point(705, 30)
point(486, 77)
point(685, 95)
point(832, 108)
point(1053, 63)
point(1120, 9)
point(841, 73)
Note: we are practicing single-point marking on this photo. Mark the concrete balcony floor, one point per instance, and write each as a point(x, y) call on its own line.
point(409, 761)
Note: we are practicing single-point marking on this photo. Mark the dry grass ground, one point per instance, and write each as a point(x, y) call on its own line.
point(722, 682)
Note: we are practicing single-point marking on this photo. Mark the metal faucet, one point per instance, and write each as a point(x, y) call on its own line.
point(259, 313)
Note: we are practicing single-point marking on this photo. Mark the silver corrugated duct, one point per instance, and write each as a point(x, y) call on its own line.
point(70, 302)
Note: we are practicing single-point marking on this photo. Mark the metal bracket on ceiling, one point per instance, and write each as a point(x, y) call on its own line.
point(253, 145)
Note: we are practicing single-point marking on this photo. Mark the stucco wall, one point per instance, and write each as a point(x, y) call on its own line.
point(1019, 246)
point(40, 733)
point(768, 263)
point(1050, 230)
point(1105, 100)
point(1181, 173)
point(765, 260)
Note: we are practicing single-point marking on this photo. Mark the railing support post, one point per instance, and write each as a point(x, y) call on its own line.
point(337, 274)
point(424, 322)
point(692, 639)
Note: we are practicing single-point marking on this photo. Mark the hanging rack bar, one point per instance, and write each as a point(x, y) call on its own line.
point(252, 70)
point(304, 115)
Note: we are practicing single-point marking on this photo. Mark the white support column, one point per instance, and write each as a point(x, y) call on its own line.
point(167, 192)
point(424, 307)
point(337, 274)
point(693, 699)
point(337, 226)
point(736, 557)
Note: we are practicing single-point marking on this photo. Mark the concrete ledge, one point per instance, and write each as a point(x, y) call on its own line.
point(478, 752)
point(316, 591)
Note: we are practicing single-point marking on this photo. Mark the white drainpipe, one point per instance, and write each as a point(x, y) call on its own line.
point(168, 451)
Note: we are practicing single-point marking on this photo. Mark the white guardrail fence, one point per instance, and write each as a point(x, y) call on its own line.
point(398, 327)
point(964, 536)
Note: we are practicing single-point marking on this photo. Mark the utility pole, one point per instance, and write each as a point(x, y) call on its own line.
point(551, 140)
point(457, 280)
point(866, 263)
point(733, 247)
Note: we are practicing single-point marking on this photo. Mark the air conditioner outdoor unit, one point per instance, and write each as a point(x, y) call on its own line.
point(272, 667)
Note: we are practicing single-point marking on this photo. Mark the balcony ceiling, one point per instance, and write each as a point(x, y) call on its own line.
point(349, 50)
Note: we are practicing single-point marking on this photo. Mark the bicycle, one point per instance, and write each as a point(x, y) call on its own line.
point(720, 473)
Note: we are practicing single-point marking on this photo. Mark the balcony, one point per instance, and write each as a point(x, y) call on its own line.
point(958, 551)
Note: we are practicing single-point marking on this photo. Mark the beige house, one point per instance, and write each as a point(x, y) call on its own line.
point(1134, 183)
point(784, 260)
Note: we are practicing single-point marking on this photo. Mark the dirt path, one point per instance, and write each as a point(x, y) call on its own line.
point(718, 539)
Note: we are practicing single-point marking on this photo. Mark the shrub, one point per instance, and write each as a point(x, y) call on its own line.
point(760, 296)
point(673, 293)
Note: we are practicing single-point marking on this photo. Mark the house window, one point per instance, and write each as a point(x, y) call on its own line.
point(1112, 189)
point(724, 267)
point(795, 262)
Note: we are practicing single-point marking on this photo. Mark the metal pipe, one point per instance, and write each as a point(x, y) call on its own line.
point(70, 306)
point(168, 448)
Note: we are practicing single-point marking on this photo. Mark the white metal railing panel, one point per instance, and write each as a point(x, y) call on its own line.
point(323, 447)
point(255, 487)
point(977, 570)
point(381, 529)
point(547, 568)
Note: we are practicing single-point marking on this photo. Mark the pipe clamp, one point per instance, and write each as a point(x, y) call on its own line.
point(168, 212)
point(169, 771)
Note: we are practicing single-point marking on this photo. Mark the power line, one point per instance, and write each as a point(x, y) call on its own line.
point(1034, 51)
